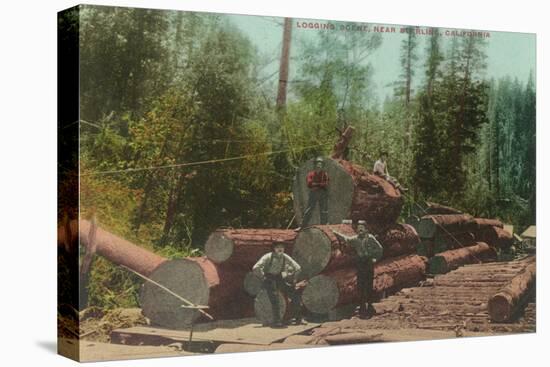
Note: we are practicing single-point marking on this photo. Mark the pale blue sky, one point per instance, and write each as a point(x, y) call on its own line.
point(508, 53)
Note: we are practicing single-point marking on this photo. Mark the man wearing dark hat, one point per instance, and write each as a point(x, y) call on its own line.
point(278, 271)
point(368, 251)
point(317, 182)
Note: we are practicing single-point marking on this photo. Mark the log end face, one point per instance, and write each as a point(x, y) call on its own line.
point(438, 265)
point(218, 247)
point(500, 307)
point(252, 284)
point(263, 309)
point(321, 294)
point(183, 277)
point(312, 250)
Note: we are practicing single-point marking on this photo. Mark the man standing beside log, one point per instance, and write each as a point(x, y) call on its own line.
point(317, 182)
point(381, 169)
point(278, 271)
point(368, 251)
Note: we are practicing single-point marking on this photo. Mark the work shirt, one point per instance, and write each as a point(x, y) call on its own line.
point(275, 265)
point(380, 168)
point(368, 246)
point(317, 180)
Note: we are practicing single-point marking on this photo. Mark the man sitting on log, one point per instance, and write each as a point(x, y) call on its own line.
point(317, 182)
point(368, 251)
point(381, 169)
point(278, 271)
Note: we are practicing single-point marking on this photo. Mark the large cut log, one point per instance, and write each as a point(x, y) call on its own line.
point(435, 208)
point(263, 309)
point(508, 301)
point(327, 291)
point(484, 223)
point(353, 193)
point(252, 283)
point(449, 260)
point(398, 239)
point(243, 247)
point(118, 250)
point(430, 225)
point(317, 248)
point(200, 281)
point(496, 237)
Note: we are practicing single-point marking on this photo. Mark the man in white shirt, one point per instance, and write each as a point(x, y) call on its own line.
point(278, 271)
point(381, 169)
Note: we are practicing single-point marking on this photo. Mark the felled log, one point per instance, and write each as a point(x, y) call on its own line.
point(399, 239)
point(430, 225)
point(506, 303)
point(317, 248)
point(353, 193)
point(200, 281)
point(327, 291)
point(263, 309)
point(444, 242)
point(449, 260)
point(243, 247)
point(484, 223)
point(118, 250)
point(435, 208)
point(496, 237)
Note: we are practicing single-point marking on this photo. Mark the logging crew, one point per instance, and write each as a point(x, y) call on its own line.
point(368, 251)
point(278, 271)
point(317, 181)
point(381, 169)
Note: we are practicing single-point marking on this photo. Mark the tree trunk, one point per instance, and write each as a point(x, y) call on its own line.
point(507, 302)
point(336, 288)
point(485, 223)
point(201, 282)
point(353, 193)
point(242, 248)
point(449, 260)
point(496, 237)
point(283, 66)
point(430, 225)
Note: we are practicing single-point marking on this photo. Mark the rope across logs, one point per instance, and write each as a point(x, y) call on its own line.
point(334, 289)
point(508, 301)
point(446, 261)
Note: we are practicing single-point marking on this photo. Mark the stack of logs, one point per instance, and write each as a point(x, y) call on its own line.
point(451, 238)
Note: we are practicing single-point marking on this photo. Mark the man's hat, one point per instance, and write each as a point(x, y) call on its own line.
point(277, 244)
point(319, 159)
point(383, 152)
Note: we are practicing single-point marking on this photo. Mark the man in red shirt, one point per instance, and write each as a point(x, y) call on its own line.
point(317, 182)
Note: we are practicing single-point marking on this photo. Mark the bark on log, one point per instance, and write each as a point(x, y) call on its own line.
point(435, 208)
point(327, 291)
point(484, 223)
point(201, 282)
point(430, 225)
point(263, 310)
point(449, 260)
point(353, 193)
point(243, 247)
point(504, 305)
point(119, 251)
point(496, 237)
point(317, 248)
point(399, 239)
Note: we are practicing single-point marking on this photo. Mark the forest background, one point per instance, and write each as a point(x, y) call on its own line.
point(168, 99)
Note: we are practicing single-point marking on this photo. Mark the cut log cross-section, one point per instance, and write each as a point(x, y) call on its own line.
point(505, 303)
point(200, 281)
point(398, 239)
point(353, 193)
point(243, 247)
point(337, 288)
point(430, 225)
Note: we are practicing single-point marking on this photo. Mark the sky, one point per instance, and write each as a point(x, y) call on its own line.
point(508, 53)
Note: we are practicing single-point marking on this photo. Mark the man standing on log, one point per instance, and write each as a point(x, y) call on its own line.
point(317, 182)
point(381, 169)
point(278, 271)
point(368, 251)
